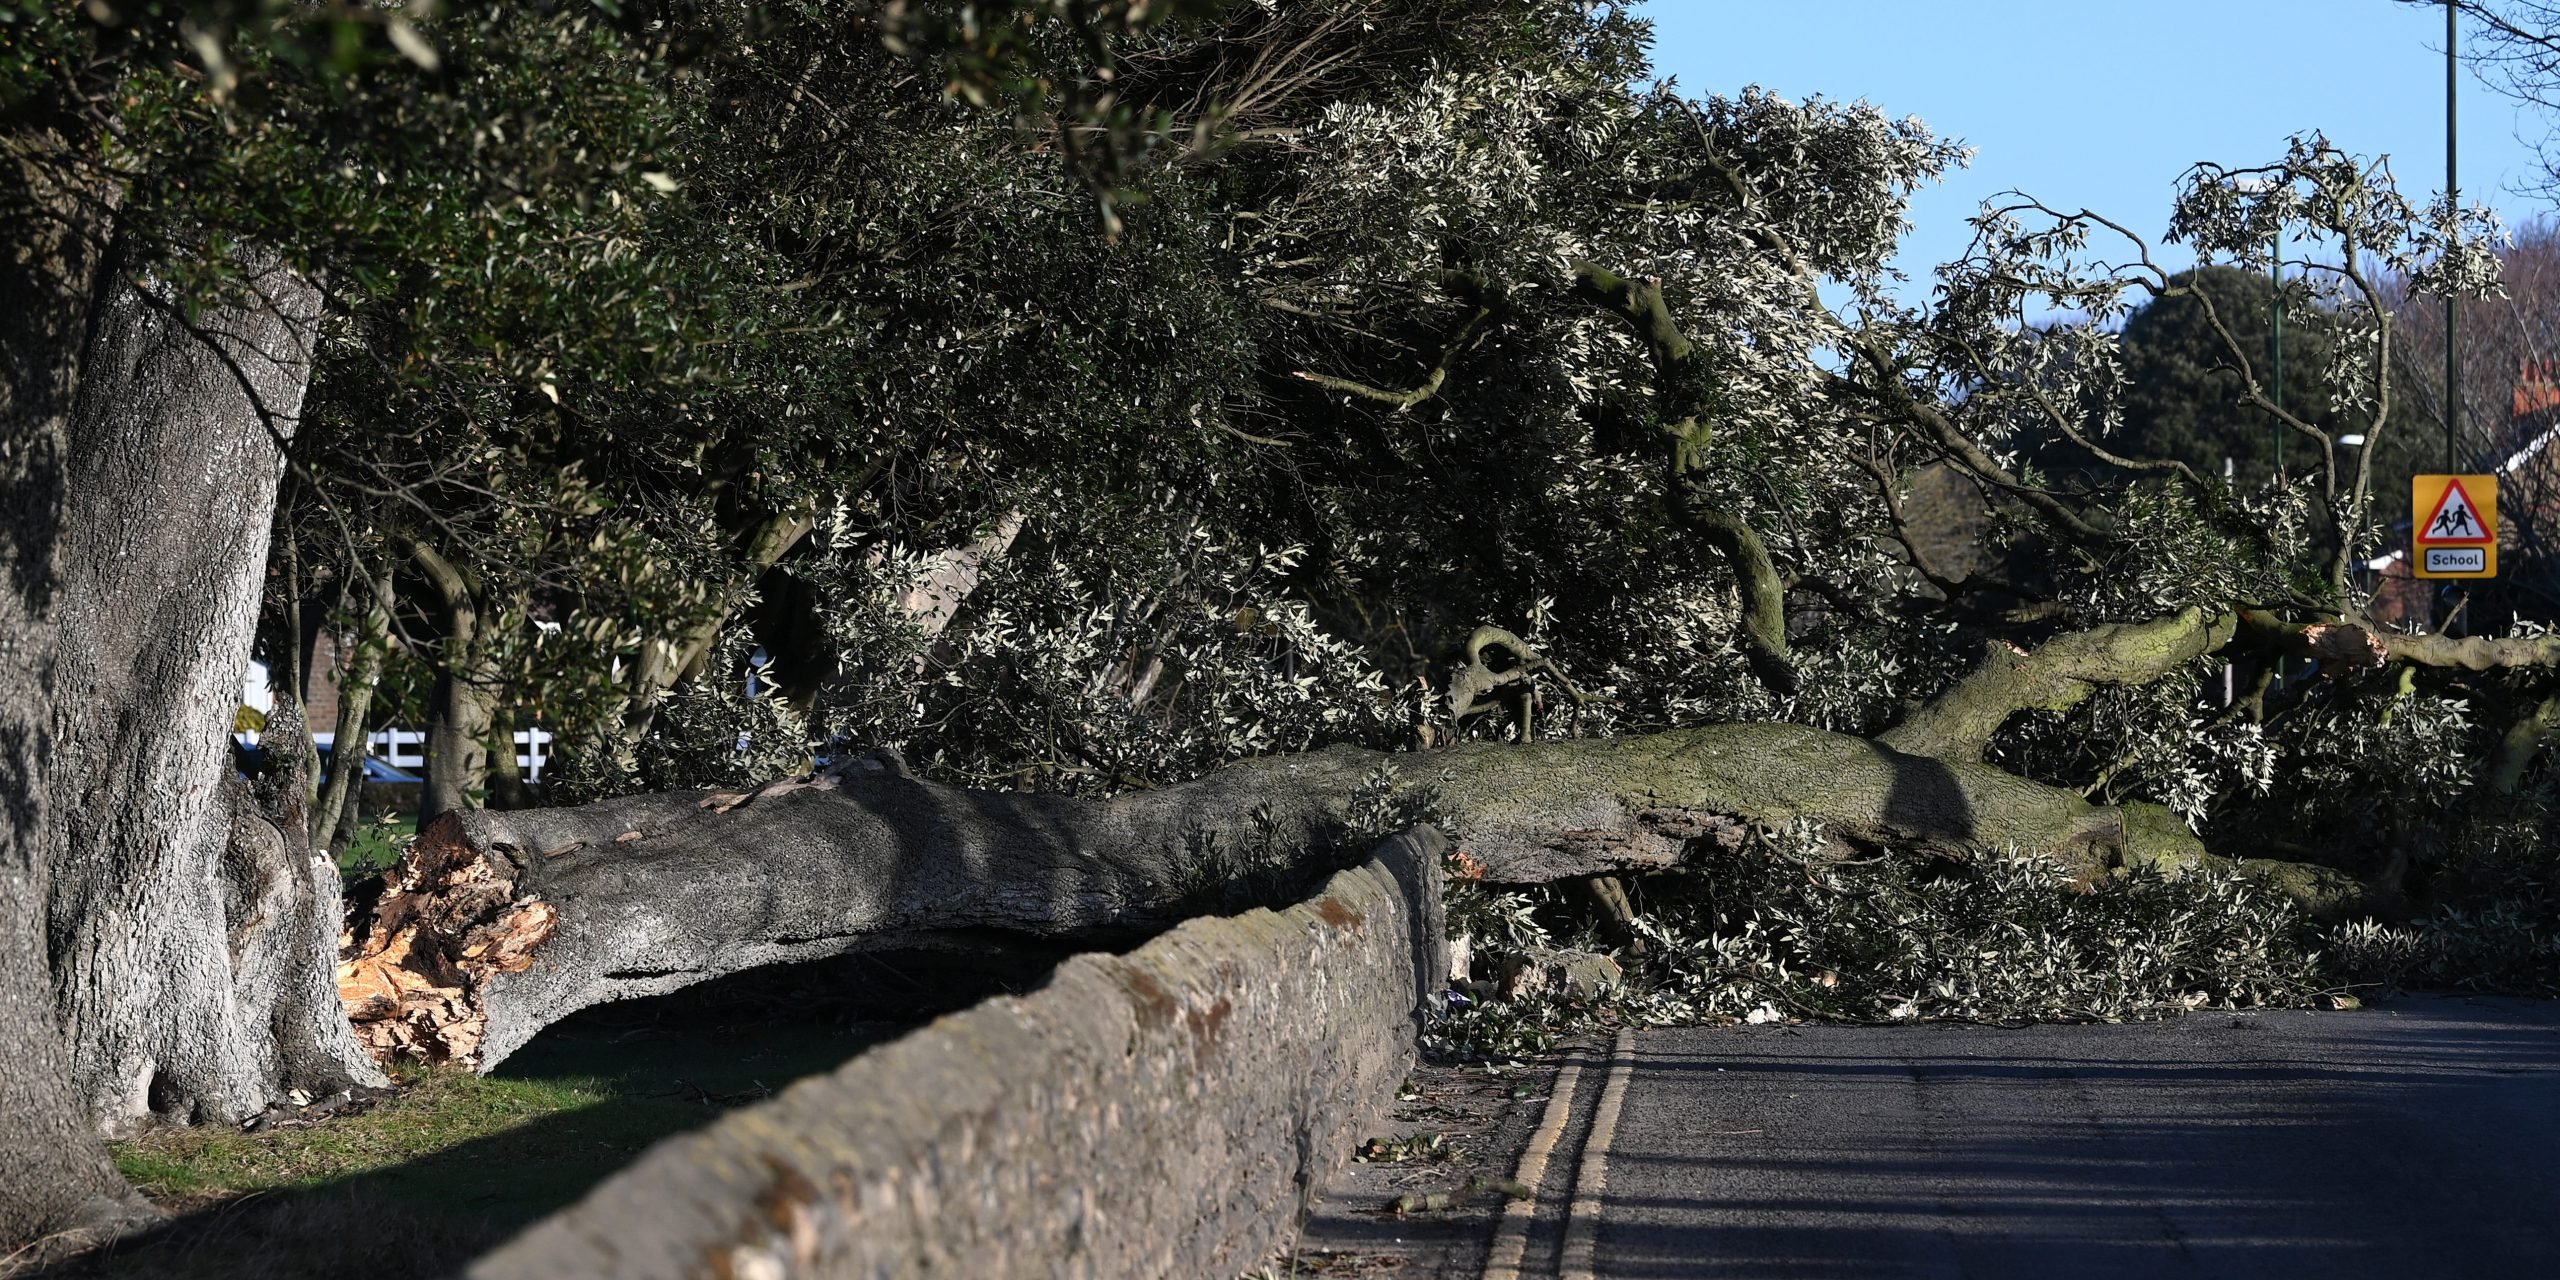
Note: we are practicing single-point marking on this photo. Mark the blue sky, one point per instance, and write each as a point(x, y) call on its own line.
point(2104, 103)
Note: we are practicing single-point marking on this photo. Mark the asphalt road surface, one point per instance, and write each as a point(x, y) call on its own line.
point(2419, 1139)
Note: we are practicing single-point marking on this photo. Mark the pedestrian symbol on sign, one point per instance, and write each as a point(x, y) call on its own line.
point(2454, 521)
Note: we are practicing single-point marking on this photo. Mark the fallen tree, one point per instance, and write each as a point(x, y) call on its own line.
point(499, 923)
point(1789, 466)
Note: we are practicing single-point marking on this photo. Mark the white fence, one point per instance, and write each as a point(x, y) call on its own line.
point(400, 748)
point(407, 748)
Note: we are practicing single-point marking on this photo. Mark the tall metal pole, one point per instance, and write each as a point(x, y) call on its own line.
point(2275, 358)
point(2275, 339)
point(2452, 228)
point(2452, 347)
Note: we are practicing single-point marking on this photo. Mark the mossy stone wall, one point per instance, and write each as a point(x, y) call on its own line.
point(1164, 1113)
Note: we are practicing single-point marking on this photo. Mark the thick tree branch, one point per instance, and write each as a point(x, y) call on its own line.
point(2056, 675)
point(1685, 396)
point(946, 579)
point(498, 924)
point(2354, 645)
point(668, 661)
point(2473, 653)
point(1640, 303)
point(764, 545)
point(465, 687)
point(452, 589)
point(1764, 596)
point(2520, 744)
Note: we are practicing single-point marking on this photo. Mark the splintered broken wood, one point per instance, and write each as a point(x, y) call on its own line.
point(446, 923)
point(497, 924)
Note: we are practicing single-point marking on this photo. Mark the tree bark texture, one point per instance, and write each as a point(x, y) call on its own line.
point(460, 709)
point(334, 819)
point(54, 1175)
point(190, 936)
point(507, 789)
point(498, 924)
point(2054, 676)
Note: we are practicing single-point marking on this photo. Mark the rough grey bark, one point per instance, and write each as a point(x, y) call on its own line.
point(459, 710)
point(190, 938)
point(54, 1175)
point(457, 764)
point(333, 821)
point(499, 924)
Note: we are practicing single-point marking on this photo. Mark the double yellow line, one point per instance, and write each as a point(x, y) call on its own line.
point(1590, 1178)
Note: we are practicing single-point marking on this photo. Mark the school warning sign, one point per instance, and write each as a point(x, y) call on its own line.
point(2454, 526)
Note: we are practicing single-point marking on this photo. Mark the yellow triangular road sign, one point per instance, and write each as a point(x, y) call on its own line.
point(2454, 526)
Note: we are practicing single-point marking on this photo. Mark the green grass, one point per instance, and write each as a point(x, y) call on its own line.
point(551, 1122)
point(436, 1112)
point(454, 1162)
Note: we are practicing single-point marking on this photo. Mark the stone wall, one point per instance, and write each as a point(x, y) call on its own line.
point(1163, 1113)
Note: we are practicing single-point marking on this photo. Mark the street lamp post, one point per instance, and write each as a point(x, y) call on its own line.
point(2452, 307)
point(2275, 341)
point(2452, 228)
point(2263, 185)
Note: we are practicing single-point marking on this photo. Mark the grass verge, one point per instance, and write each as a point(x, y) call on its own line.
point(453, 1163)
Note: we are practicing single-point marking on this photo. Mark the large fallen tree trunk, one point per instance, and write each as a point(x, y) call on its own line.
point(500, 923)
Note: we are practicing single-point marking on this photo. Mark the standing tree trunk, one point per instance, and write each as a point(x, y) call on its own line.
point(507, 789)
point(459, 711)
point(334, 818)
point(54, 1176)
point(193, 940)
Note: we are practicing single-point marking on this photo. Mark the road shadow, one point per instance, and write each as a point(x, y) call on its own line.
point(2422, 1141)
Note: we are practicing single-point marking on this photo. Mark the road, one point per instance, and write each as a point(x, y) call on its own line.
point(2422, 1139)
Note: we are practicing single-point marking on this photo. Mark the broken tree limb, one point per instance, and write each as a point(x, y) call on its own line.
point(2054, 676)
point(1477, 687)
point(498, 924)
point(1762, 633)
point(2359, 646)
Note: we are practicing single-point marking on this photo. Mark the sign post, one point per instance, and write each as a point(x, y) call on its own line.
point(2453, 526)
